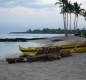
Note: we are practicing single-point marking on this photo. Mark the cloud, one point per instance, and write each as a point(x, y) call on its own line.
point(24, 18)
point(27, 3)
point(36, 4)
point(24, 14)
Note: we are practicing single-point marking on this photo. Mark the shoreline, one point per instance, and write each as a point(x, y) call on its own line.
point(68, 68)
point(52, 41)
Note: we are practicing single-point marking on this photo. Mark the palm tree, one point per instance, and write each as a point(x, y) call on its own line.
point(65, 11)
point(63, 3)
point(70, 10)
point(77, 12)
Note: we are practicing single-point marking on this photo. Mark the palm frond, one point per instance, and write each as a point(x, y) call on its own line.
point(57, 3)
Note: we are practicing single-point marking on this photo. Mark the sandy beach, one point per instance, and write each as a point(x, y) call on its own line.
point(42, 39)
point(69, 68)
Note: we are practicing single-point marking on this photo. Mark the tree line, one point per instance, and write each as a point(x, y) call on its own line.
point(54, 31)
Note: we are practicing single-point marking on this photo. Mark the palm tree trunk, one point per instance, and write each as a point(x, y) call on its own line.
point(64, 20)
point(64, 16)
point(65, 27)
point(64, 23)
point(74, 24)
point(67, 20)
point(67, 23)
point(70, 23)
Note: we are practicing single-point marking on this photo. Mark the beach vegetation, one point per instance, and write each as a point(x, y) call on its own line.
point(68, 8)
point(77, 11)
point(50, 31)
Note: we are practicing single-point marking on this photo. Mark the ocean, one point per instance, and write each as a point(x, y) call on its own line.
point(11, 48)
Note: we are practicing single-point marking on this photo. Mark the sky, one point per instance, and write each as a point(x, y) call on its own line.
point(21, 15)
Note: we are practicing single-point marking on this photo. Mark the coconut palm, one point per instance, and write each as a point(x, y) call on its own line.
point(77, 12)
point(70, 10)
point(63, 3)
point(65, 11)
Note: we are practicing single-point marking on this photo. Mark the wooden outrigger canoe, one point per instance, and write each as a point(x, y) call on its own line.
point(74, 48)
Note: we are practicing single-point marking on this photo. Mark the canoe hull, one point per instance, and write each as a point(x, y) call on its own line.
point(28, 51)
point(74, 48)
point(81, 50)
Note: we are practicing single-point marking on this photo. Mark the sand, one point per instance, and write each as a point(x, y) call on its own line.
point(69, 68)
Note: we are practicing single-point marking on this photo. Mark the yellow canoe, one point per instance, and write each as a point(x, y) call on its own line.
point(73, 45)
point(78, 48)
point(74, 48)
point(29, 50)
